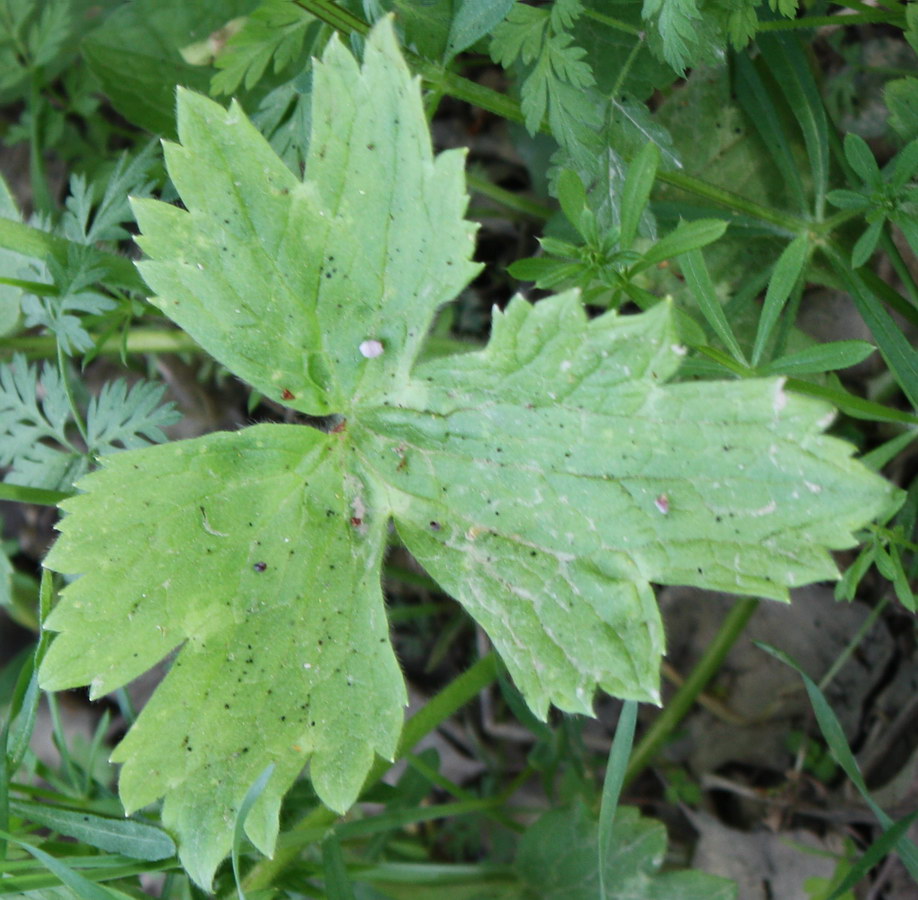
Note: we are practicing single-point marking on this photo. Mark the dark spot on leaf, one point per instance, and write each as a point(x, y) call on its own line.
point(287, 395)
point(260, 566)
point(434, 526)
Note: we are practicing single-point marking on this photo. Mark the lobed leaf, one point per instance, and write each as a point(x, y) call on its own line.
point(546, 481)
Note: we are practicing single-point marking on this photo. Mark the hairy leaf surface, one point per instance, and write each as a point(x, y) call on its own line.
point(546, 481)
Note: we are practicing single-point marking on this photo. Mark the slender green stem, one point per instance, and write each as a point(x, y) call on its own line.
point(139, 340)
point(479, 185)
point(788, 224)
point(68, 390)
point(312, 826)
point(41, 196)
point(852, 645)
point(617, 24)
point(902, 270)
point(682, 700)
point(626, 66)
point(821, 21)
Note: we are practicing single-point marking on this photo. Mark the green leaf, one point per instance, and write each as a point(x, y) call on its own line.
point(134, 839)
point(546, 481)
point(136, 55)
point(789, 66)
point(684, 237)
point(699, 281)
point(898, 351)
point(274, 32)
point(785, 275)
point(81, 888)
point(636, 191)
point(866, 244)
point(761, 110)
point(860, 158)
point(820, 358)
point(612, 787)
point(834, 735)
point(473, 20)
point(901, 96)
point(558, 855)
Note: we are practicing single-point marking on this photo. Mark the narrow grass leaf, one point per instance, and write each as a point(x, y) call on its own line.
point(254, 792)
point(784, 276)
point(136, 840)
point(788, 64)
point(877, 458)
point(698, 278)
point(5, 776)
point(874, 853)
point(898, 351)
point(82, 887)
point(337, 883)
point(636, 191)
point(820, 358)
point(838, 745)
point(758, 105)
point(572, 196)
point(612, 786)
point(851, 404)
point(684, 237)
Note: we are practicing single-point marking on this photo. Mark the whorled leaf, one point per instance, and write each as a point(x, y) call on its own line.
point(546, 481)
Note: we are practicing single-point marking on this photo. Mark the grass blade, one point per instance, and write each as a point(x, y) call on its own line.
point(612, 787)
point(126, 837)
point(756, 102)
point(838, 745)
point(337, 883)
point(636, 191)
point(898, 351)
point(788, 64)
point(253, 793)
point(784, 277)
point(820, 358)
point(698, 278)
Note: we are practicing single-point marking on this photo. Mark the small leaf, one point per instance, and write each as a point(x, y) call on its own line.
point(572, 196)
point(684, 237)
point(473, 20)
point(866, 244)
point(861, 159)
point(820, 358)
point(642, 171)
point(557, 860)
point(788, 269)
point(699, 281)
point(136, 840)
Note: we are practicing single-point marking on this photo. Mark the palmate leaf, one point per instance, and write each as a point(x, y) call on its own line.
point(545, 481)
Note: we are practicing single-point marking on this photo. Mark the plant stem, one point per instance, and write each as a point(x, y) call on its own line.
point(821, 21)
point(479, 185)
point(41, 196)
point(789, 225)
point(315, 823)
point(139, 340)
point(682, 700)
point(617, 24)
point(852, 645)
